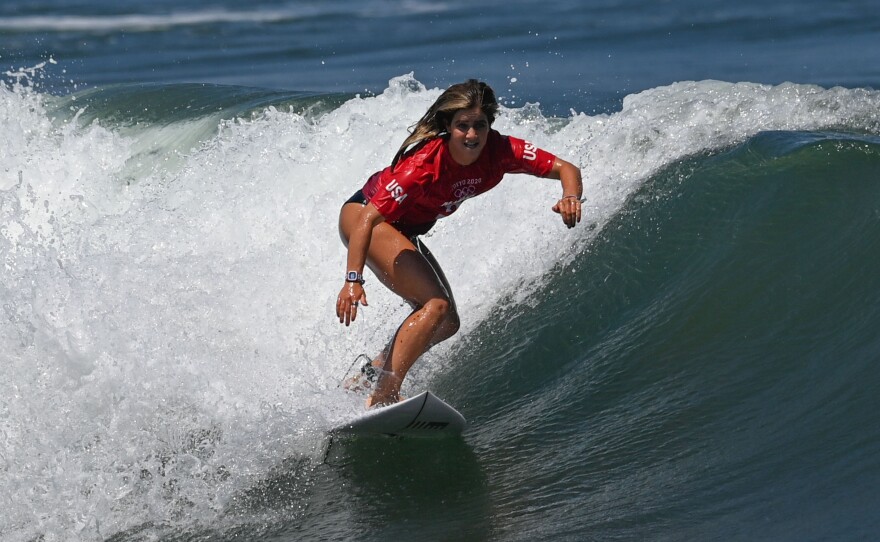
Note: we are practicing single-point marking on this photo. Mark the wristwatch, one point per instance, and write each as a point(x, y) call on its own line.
point(354, 276)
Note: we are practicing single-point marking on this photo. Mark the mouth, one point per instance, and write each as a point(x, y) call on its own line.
point(471, 144)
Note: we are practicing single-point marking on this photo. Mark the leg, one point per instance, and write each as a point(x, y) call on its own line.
point(407, 272)
point(451, 323)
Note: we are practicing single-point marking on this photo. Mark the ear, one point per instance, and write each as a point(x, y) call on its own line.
point(447, 125)
point(446, 122)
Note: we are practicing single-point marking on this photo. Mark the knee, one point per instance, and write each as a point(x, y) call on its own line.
point(437, 308)
point(443, 313)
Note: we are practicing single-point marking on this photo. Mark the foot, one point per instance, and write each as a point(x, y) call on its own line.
point(387, 390)
point(373, 402)
point(365, 379)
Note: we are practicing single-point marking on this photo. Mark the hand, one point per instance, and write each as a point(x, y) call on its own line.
point(350, 296)
point(570, 209)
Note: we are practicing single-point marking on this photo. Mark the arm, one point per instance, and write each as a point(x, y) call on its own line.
point(569, 206)
point(359, 230)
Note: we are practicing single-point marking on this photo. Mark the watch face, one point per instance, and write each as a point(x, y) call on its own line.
point(352, 276)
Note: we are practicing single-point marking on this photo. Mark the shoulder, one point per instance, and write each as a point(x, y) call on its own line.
point(424, 152)
point(522, 156)
point(418, 164)
point(507, 145)
point(513, 143)
point(503, 146)
point(497, 139)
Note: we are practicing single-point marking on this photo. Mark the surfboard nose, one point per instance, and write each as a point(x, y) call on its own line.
point(424, 415)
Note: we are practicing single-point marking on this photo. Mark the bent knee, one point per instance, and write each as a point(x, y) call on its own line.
point(438, 308)
point(443, 312)
point(442, 309)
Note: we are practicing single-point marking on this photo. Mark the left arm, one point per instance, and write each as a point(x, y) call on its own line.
point(569, 206)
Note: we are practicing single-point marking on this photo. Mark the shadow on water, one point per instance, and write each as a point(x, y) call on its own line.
point(364, 489)
point(399, 489)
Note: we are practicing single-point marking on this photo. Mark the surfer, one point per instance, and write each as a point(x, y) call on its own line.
point(452, 154)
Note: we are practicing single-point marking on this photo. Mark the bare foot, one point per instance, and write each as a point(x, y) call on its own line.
point(364, 380)
point(387, 391)
point(373, 402)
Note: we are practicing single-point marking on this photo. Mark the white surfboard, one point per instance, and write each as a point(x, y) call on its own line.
point(424, 415)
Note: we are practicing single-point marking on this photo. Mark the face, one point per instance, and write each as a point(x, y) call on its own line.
point(468, 133)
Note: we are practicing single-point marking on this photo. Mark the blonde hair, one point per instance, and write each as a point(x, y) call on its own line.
point(467, 95)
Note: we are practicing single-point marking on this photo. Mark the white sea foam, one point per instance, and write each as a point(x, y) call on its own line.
point(168, 333)
point(140, 22)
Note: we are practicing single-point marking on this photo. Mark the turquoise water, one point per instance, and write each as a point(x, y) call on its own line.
point(698, 361)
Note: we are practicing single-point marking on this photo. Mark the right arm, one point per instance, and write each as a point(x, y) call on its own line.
point(569, 206)
point(359, 232)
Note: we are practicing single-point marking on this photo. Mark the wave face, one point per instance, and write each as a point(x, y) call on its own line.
point(695, 361)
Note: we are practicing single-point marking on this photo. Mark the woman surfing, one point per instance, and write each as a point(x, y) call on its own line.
point(451, 155)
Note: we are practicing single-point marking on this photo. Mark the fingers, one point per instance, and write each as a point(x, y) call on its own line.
point(346, 310)
point(569, 208)
point(350, 298)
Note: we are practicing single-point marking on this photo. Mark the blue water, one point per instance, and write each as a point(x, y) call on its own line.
point(697, 361)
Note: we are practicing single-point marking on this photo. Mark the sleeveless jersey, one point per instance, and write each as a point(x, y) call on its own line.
point(428, 183)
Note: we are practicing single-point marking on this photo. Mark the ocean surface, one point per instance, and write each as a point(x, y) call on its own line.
point(698, 360)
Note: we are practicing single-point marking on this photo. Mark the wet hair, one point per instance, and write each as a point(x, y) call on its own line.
point(467, 95)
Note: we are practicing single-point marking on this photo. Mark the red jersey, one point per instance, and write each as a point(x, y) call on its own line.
point(428, 184)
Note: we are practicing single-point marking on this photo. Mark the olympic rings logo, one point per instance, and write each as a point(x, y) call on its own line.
point(465, 192)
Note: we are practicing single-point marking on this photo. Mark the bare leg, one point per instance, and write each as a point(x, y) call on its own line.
point(450, 324)
point(413, 276)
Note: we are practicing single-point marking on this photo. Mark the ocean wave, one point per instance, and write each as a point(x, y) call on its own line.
point(172, 302)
